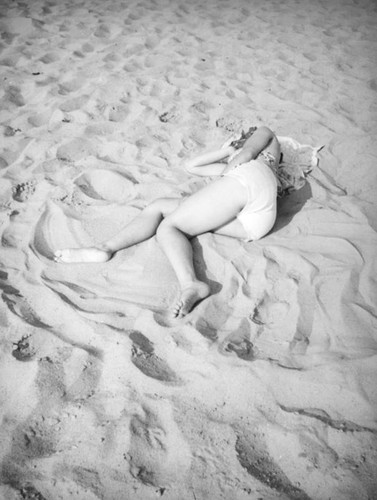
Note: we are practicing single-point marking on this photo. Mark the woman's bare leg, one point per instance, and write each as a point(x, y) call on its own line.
point(211, 208)
point(139, 229)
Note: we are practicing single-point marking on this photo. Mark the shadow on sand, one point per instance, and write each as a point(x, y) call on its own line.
point(290, 205)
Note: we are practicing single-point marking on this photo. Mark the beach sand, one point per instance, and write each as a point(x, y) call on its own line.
point(267, 390)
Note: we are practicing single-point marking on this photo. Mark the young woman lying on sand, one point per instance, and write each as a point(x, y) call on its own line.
point(241, 204)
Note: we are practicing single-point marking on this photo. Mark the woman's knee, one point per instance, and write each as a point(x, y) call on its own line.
point(167, 225)
point(162, 206)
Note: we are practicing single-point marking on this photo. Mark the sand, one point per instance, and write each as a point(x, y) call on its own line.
point(267, 389)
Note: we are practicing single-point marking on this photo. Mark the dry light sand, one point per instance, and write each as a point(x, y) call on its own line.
point(267, 390)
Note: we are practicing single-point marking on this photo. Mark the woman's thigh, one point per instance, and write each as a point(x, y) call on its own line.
point(213, 207)
point(234, 229)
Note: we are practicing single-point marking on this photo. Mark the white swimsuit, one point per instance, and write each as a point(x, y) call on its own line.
point(259, 214)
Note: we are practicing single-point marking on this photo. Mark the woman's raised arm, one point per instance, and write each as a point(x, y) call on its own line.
point(253, 146)
point(208, 164)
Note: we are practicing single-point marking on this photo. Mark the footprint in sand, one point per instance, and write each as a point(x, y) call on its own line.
point(119, 113)
point(28, 492)
point(158, 453)
point(373, 84)
point(270, 311)
point(87, 47)
point(243, 348)
point(144, 358)
point(67, 87)
point(201, 108)
point(39, 436)
point(238, 342)
point(50, 57)
point(19, 306)
point(39, 119)
point(102, 31)
point(73, 104)
point(23, 191)
point(169, 116)
point(253, 456)
point(17, 25)
point(238, 345)
point(3, 163)
point(14, 95)
point(24, 350)
point(207, 328)
point(75, 150)
point(11, 131)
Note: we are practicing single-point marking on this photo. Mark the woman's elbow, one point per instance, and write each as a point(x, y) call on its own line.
point(266, 130)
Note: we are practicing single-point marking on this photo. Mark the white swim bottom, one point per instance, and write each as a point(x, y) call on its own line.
point(259, 214)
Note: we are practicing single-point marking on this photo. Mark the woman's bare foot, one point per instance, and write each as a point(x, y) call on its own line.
point(90, 254)
point(190, 295)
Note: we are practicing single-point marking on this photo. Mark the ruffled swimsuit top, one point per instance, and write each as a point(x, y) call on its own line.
point(290, 176)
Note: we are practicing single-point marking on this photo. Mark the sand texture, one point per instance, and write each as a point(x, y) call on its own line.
point(267, 390)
